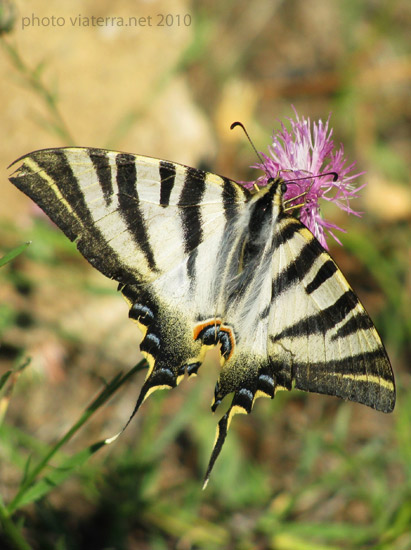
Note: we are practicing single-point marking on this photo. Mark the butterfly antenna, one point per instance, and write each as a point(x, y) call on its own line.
point(333, 174)
point(292, 199)
point(234, 124)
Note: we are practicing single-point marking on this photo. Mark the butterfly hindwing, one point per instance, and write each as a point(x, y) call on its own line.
point(202, 262)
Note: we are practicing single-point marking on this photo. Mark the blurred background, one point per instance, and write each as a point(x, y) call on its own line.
point(303, 472)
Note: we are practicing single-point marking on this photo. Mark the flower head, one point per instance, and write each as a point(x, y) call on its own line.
point(304, 158)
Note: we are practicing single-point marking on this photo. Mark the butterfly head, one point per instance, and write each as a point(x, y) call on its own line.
point(272, 193)
point(278, 185)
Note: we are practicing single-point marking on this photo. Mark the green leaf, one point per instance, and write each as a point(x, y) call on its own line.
point(58, 475)
point(13, 253)
point(4, 379)
point(30, 482)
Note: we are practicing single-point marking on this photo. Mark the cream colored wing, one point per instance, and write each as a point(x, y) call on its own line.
point(203, 262)
point(297, 321)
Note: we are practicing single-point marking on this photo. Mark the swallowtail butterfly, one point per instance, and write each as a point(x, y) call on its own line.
point(202, 262)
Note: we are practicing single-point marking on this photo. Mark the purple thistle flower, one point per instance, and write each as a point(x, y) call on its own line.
point(303, 152)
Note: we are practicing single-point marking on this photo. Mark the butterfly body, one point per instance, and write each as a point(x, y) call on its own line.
point(201, 262)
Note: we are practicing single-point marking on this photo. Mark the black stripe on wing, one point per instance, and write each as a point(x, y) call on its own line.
point(129, 205)
point(325, 272)
point(296, 270)
point(330, 316)
point(364, 378)
point(259, 222)
point(53, 164)
point(322, 321)
point(361, 321)
point(286, 233)
point(58, 168)
point(167, 178)
point(102, 166)
point(190, 215)
point(72, 216)
point(230, 198)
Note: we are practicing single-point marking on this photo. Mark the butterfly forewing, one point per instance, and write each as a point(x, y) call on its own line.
point(324, 333)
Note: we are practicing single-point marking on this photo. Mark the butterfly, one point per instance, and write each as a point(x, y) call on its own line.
point(204, 262)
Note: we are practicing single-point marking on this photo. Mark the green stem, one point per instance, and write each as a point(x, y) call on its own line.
point(11, 532)
point(34, 82)
point(100, 399)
